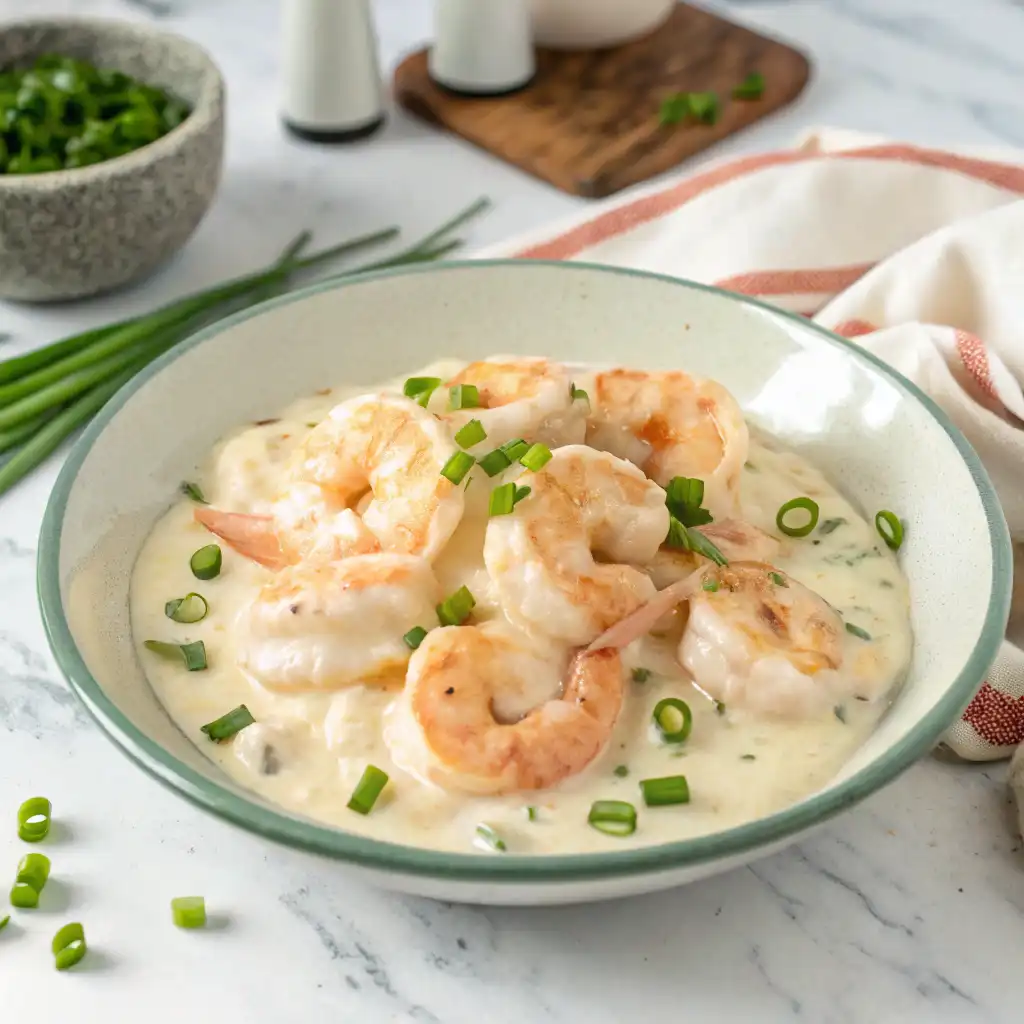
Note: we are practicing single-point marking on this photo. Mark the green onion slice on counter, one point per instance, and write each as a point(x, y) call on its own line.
point(470, 434)
point(193, 491)
point(673, 718)
point(889, 528)
point(861, 634)
point(488, 837)
point(807, 505)
point(454, 610)
point(494, 462)
point(205, 563)
point(421, 388)
point(751, 88)
point(190, 608)
point(24, 896)
point(456, 468)
point(369, 787)
point(463, 396)
point(415, 637)
point(536, 457)
point(34, 819)
point(514, 449)
point(193, 654)
point(189, 911)
point(33, 870)
point(613, 817)
point(223, 728)
point(671, 789)
point(68, 946)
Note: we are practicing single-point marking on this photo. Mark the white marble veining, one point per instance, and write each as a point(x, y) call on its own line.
point(910, 908)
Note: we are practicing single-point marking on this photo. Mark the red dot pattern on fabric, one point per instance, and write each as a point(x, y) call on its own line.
point(974, 356)
point(997, 718)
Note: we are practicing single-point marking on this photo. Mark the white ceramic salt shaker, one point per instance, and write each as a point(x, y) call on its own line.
point(482, 47)
point(331, 88)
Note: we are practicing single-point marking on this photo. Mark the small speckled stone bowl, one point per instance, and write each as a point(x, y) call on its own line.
point(69, 234)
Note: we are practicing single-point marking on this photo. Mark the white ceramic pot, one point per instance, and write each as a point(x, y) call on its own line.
point(593, 24)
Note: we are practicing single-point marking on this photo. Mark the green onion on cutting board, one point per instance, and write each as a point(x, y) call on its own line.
point(47, 394)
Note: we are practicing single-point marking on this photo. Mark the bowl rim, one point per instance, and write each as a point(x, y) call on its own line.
point(311, 837)
point(205, 112)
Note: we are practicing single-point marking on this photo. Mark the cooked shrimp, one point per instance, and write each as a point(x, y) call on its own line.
point(521, 397)
point(368, 478)
point(448, 725)
point(671, 424)
point(323, 625)
point(758, 639)
point(737, 540)
point(541, 556)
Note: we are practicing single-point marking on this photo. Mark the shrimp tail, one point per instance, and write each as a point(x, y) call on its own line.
point(254, 537)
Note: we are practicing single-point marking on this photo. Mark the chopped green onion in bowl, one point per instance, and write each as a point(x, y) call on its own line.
point(193, 654)
point(206, 562)
point(368, 789)
point(224, 728)
point(190, 608)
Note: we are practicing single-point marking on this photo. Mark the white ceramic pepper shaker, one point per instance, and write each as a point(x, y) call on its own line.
point(331, 77)
point(482, 47)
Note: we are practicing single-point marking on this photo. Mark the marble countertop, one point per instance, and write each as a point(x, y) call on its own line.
point(910, 908)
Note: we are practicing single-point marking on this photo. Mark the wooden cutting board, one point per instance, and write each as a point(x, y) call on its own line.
point(589, 122)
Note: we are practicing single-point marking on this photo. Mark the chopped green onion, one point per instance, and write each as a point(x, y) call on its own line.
point(463, 396)
point(684, 496)
point(831, 525)
point(751, 88)
point(613, 817)
point(69, 946)
point(369, 787)
point(415, 637)
point(194, 654)
point(24, 896)
point(671, 789)
point(421, 388)
point(620, 770)
point(454, 610)
point(514, 449)
point(777, 579)
point(34, 819)
point(34, 870)
point(674, 109)
point(808, 505)
point(470, 433)
point(522, 492)
point(223, 728)
point(673, 718)
point(677, 537)
point(536, 457)
point(490, 838)
point(193, 491)
point(861, 634)
point(4, 921)
point(456, 468)
point(189, 911)
point(702, 546)
point(640, 675)
point(190, 608)
point(711, 586)
point(532, 814)
point(748, 757)
point(502, 500)
point(205, 563)
point(494, 462)
point(892, 532)
point(575, 394)
point(719, 707)
point(840, 712)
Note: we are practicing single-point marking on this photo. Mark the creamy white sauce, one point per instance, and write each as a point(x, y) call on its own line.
point(739, 766)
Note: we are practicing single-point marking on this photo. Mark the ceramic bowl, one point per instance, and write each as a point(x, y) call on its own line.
point(874, 433)
point(69, 234)
point(595, 24)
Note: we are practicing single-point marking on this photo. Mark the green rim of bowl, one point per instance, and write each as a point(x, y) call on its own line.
point(508, 868)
